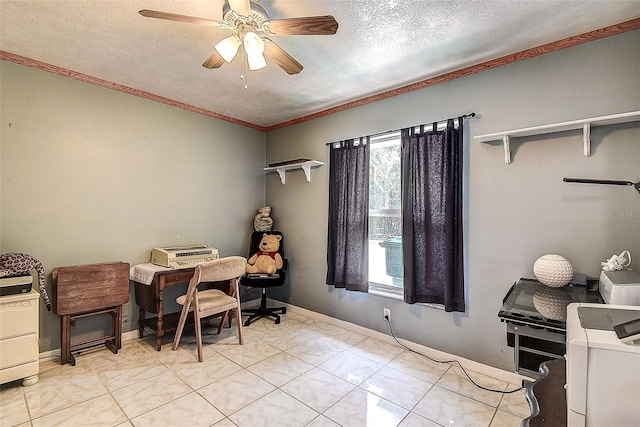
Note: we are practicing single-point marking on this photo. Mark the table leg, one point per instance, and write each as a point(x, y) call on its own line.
point(65, 339)
point(117, 327)
point(516, 352)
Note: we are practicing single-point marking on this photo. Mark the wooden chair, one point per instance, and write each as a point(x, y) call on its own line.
point(210, 302)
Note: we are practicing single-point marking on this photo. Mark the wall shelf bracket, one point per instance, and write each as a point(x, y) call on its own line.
point(306, 167)
point(586, 139)
point(282, 173)
point(507, 149)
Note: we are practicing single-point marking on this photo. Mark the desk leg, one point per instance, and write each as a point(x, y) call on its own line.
point(159, 326)
point(141, 324)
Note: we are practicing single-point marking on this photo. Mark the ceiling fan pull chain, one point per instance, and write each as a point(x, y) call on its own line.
point(242, 73)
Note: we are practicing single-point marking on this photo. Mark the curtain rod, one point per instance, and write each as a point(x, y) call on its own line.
point(397, 130)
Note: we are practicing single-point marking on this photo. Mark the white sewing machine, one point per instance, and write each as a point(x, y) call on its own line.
point(183, 256)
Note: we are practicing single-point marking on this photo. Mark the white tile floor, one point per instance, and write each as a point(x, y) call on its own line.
point(302, 372)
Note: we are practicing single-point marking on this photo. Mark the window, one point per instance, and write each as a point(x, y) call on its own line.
point(385, 216)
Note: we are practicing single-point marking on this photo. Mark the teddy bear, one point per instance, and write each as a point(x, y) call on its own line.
point(263, 221)
point(267, 260)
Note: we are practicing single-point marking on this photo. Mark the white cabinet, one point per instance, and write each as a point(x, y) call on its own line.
point(19, 351)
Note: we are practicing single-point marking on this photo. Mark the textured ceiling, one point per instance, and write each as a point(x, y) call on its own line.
point(380, 45)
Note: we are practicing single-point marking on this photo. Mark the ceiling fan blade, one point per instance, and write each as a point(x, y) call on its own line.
point(312, 25)
point(280, 57)
point(181, 18)
point(213, 61)
point(241, 7)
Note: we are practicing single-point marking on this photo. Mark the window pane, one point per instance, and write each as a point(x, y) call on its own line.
point(385, 241)
point(384, 178)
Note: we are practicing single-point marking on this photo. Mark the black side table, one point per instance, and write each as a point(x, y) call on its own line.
point(535, 316)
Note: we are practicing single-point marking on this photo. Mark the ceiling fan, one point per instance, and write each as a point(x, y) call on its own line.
point(249, 23)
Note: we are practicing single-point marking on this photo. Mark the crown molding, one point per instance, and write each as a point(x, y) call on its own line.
point(613, 30)
point(121, 88)
point(601, 33)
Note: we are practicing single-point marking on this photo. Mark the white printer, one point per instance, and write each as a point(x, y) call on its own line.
point(15, 285)
point(620, 287)
point(603, 374)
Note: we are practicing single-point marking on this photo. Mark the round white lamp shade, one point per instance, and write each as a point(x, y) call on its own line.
point(553, 270)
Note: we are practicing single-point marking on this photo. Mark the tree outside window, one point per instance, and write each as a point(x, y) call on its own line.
point(385, 244)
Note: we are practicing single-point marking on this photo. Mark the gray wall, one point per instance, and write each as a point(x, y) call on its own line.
point(513, 213)
point(90, 175)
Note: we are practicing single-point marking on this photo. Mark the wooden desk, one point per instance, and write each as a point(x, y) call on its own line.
point(150, 299)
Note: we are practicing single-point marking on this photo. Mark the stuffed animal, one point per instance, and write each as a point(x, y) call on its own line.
point(17, 264)
point(262, 221)
point(267, 260)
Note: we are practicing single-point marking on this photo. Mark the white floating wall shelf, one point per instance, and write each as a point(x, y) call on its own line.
point(584, 124)
point(305, 166)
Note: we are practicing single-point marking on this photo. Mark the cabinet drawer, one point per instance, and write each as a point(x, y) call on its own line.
point(18, 318)
point(539, 333)
point(176, 277)
point(18, 372)
point(18, 350)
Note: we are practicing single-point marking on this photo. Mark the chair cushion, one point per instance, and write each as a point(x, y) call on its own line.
point(209, 298)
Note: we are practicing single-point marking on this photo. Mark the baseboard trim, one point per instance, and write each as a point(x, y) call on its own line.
point(510, 377)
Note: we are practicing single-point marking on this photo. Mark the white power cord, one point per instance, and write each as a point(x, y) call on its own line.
point(453, 361)
point(617, 262)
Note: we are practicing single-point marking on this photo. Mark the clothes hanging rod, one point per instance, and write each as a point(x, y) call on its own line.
point(439, 122)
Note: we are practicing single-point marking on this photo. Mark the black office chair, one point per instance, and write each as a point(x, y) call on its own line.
point(264, 281)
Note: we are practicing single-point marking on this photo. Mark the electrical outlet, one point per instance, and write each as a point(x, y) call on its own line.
point(387, 314)
point(125, 318)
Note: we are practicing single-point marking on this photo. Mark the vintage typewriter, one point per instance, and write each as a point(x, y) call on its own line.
point(183, 256)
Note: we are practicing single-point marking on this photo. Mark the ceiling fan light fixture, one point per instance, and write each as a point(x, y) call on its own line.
point(228, 48)
point(249, 21)
point(256, 61)
point(254, 46)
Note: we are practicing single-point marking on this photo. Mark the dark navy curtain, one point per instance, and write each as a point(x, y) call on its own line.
point(347, 242)
point(432, 246)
